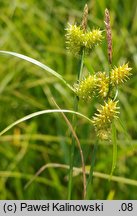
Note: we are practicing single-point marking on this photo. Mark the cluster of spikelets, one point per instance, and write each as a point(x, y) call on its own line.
point(100, 84)
point(120, 74)
point(103, 119)
point(77, 39)
point(86, 88)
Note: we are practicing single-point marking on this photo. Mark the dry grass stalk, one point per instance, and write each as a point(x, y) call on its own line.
point(109, 35)
point(84, 18)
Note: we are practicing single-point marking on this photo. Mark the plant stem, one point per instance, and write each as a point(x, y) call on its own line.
point(114, 140)
point(81, 66)
point(90, 178)
point(74, 123)
point(109, 86)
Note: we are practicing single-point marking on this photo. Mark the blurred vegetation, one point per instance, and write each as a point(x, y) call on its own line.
point(36, 29)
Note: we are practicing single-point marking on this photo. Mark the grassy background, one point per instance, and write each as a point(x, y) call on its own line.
point(37, 29)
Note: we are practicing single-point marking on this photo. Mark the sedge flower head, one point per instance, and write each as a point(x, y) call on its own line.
point(85, 88)
point(92, 38)
point(120, 74)
point(77, 39)
point(104, 134)
point(74, 37)
point(103, 119)
point(102, 84)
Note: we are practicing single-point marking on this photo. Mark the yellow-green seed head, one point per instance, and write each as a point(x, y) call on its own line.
point(102, 83)
point(92, 38)
point(74, 38)
point(85, 89)
point(104, 134)
point(120, 74)
point(77, 39)
point(103, 119)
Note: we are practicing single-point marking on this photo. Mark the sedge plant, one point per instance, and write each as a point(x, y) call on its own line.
point(102, 85)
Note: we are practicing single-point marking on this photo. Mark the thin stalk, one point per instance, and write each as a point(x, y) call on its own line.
point(109, 85)
point(109, 43)
point(74, 123)
point(90, 178)
point(79, 146)
point(114, 158)
point(81, 66)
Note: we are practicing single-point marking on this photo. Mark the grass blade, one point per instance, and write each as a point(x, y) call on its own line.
point(80, 149)
point(90, 178)
point(41, 113)
point(114, 141)
point(117, 179)
point(39, 64)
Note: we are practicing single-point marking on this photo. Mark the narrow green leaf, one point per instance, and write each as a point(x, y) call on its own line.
point(90, 178)
point(114, 141)
point(41, 113)
point(39, 64)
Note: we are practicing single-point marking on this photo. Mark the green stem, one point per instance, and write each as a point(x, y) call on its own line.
point(114, 158)
point(81, 66)
point(109, 86)
point(90, 178)
point(74, 123)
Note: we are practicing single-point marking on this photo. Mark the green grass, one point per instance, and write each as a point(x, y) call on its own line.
point(36, 29)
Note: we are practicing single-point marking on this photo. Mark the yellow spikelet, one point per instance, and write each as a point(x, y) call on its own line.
point(92, 38)
point(104, 134)
point(102, 83)
point(120, 74)
point(74, 38)
point(85, 89)
point(103, 119)
point(77, 39)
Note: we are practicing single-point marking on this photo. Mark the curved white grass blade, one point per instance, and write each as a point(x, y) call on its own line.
point(121, 180)
point(39, 64)
point(41, 113)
